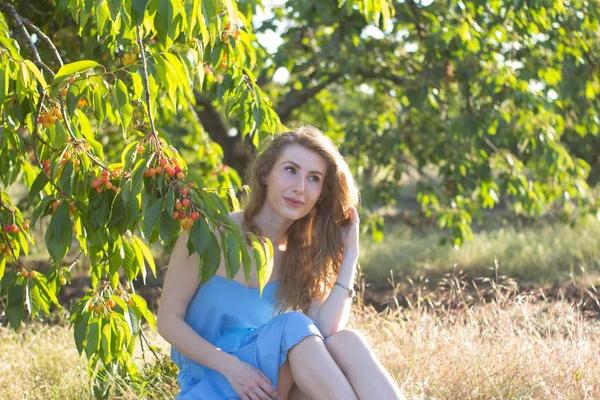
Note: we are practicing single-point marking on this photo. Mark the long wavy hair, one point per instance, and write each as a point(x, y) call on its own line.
point(313, 255)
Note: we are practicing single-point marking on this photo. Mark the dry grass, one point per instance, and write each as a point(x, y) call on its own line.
point(509, 349)
point(522, 351)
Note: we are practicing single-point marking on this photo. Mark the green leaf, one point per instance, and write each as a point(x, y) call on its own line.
point(139, 259)
point(147, 254)
point(138, 88)
point(233, 257)
point(105, 343)
point(81, 328)
point(152, 215)
point(261, 263)
point(85, 127)
point(67, 70)
point(15, 309)
point(210, 260)
point(142, 307)
point(66, 178)
point(138, 9)
point(199, 236)
point(37, 73)
point(124, 107)
point(59, 233)
point(168, 229)
point(92, 343)
point(132, 268)
point(38, 185)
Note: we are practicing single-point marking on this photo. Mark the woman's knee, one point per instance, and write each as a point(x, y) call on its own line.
point(346, 343)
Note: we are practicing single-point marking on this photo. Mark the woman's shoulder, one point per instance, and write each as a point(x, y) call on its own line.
point(237, 216)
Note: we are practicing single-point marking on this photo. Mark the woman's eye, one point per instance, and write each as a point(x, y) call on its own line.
point(314, 178)
point(290, 169)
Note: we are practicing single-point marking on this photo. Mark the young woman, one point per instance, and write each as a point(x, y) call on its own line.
point(231, 343)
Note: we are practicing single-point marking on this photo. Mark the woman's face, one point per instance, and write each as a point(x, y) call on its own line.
point(295, 182)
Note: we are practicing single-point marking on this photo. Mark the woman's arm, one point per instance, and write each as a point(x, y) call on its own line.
point(333, 314)
point(181, 283)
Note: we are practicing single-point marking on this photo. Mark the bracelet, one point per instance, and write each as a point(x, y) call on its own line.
point(351, 292)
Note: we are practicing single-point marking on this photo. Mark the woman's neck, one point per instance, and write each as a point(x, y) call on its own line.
point(272, 225)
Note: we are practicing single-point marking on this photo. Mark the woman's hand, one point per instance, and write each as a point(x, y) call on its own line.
point(250, 383)
point(350, 231)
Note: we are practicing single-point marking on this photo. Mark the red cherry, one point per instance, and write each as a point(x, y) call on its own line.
point(180, 175)
point(195, 215)
point(184, 192)
point(163, 162)
point(170, 171)
point(96, 184)
point(185, 202)
point(105, 173)
point(175, 215)
point(174, 160)
point(178, 205)
point(177, 169)
point(159, 169)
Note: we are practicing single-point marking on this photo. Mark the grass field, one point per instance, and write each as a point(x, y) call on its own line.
point(541, 254)
point(497, 343)
point(510, 350)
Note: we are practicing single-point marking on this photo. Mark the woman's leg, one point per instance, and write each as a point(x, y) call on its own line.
point(285, 381)
point(359, 364)
point(316, 373)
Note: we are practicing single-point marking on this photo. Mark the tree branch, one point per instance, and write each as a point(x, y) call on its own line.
point(295, 99)
point(140, 44)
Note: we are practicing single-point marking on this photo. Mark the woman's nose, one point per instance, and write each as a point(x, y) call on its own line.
point(299, 186)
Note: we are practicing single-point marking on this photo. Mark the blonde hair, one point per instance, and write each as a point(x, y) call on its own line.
point(313, 255)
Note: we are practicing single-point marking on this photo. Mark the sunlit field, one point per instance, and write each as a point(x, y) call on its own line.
point(472, 334)
point(504, 349)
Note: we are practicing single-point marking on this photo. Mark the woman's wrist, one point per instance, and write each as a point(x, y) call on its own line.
point(228, 364)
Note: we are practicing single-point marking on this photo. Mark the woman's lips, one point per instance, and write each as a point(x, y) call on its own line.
point(293, 203)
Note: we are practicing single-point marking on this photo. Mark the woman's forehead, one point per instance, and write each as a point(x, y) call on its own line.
point(304, 158)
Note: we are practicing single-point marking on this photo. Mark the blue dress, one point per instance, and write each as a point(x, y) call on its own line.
point(237, 320)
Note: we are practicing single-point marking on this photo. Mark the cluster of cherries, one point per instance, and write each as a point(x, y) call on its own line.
point(29, 274)
point(103, 182)
point(49, 118)
point(164, 165)
point(13, 228)
point(183, 212)
point(100, 305)
point(10, 229)
point(5, 250)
